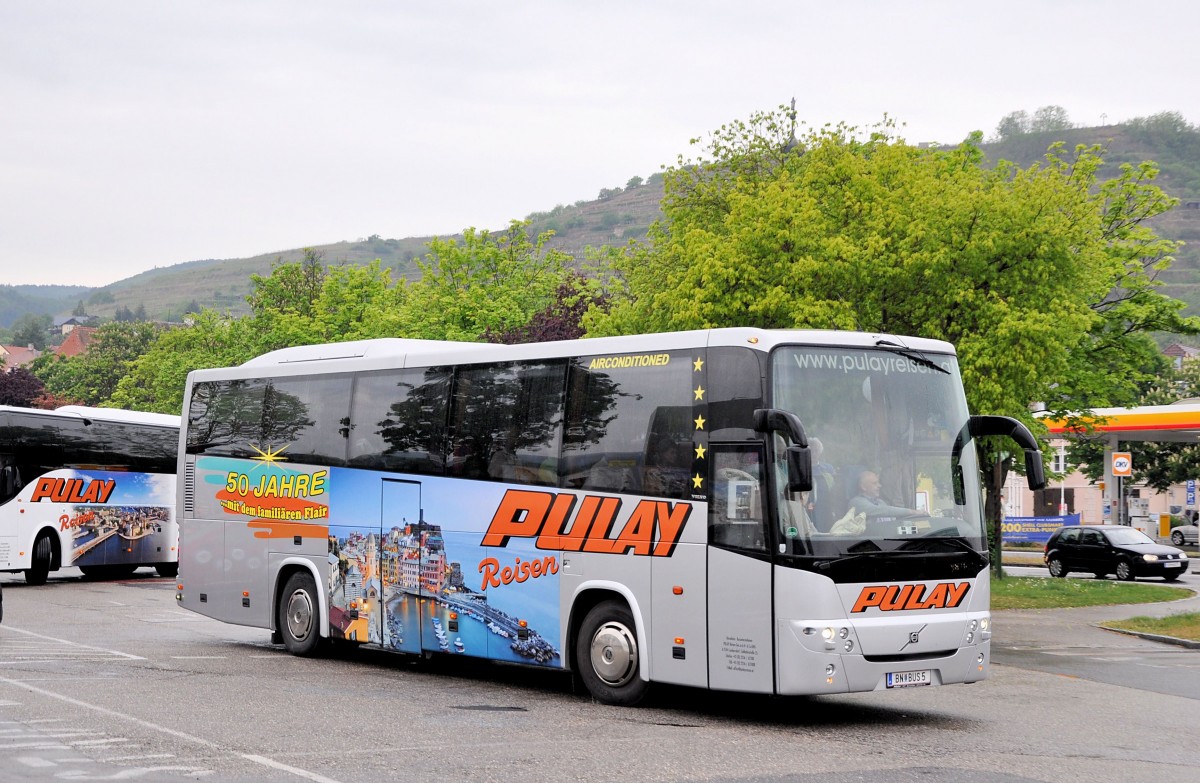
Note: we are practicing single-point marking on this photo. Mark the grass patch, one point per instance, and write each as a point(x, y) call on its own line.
point(1035, 592)
point(1181, 626)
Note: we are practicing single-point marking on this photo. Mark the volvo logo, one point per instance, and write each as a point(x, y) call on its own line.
point(914, 637)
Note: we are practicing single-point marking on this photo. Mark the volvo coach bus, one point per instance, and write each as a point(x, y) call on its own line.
point(87, 487)
point(632, 509)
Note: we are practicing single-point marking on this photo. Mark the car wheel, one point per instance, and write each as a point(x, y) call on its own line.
point(1170, 577)
point(1177, 538)
point(1124, 571)
point(1056, 566)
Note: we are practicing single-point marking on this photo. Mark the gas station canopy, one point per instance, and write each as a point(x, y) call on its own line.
point(1179, 423)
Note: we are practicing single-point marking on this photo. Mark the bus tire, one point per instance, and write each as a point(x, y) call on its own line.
point(168, 570)
point(299, 615)
point(39, 566)
point(606, 655)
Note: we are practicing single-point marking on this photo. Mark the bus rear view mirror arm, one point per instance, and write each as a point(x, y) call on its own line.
point(1006, 425)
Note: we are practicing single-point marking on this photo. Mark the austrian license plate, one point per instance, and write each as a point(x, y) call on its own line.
point(909, 679)
point(1176, 564)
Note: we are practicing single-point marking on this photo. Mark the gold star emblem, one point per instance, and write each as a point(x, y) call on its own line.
point(699, 422)
point(698, 364)
point(699, 392)
point(697, 481)
point(700, 450)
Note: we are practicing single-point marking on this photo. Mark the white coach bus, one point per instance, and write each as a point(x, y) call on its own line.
point(87, 487)
point(634, 509)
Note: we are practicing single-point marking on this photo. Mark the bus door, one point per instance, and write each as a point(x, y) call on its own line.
point(739, 572)
point(402, 559)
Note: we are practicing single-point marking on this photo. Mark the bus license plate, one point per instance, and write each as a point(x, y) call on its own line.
point(908, 679)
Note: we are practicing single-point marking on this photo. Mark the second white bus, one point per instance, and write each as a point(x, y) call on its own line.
point(87, 487)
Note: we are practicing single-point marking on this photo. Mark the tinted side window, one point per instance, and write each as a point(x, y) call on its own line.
point(302, 419)
point(506, 421)
point(735, 391)
point(224, 416)
point(1069, 536)
point(310, 416)
point(398, 420)
point(138, 448)
point(629, 424)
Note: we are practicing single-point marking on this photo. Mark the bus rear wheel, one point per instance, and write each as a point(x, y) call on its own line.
point(299, 609)
point(39, 566)
point(168, 570)
point(606, 655)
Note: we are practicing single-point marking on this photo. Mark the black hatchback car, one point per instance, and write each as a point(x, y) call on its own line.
point(1112, 549)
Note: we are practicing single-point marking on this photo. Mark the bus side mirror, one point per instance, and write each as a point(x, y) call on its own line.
point(799, 469)
point(1035, 473)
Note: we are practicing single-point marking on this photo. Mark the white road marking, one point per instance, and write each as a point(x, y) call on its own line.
point(34, 761)
point(262, 760)
point(115, 653)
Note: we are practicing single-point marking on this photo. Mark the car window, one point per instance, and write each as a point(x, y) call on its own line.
point(1070, 536)
point(1092, 538)
point(1128, 535)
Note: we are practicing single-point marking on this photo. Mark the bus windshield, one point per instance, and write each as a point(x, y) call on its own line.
point(892, 460)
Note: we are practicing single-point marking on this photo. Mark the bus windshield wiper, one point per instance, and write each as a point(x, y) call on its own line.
point(923, 544)
point(825, 563)
point(909, 353)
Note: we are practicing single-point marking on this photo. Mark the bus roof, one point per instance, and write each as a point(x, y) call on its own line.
point(98, 414)
point(402, 352)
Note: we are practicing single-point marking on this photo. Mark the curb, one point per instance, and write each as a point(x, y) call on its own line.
point(1153, 637)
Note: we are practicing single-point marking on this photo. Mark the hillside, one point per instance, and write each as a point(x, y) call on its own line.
point(626, 213)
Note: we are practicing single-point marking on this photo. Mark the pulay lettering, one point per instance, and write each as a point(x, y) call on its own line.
point(569, 523)
point(892, 598)
point(72, 490)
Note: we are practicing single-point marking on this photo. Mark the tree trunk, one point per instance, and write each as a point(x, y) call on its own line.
point(995, 465)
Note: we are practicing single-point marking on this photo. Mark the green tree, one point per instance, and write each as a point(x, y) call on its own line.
point(32, 330)
point(1050, 118)
point(1012, 125)
point(1030, 273)
point(291, 287)
point(485, 282)
point(92, 377)
point(155, 380)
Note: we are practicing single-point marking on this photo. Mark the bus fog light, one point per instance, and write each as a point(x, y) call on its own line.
point(970, 637)
point(979, 660)
point(973, 625)
point(849, 645)
point(844, 632)
point(830, 669)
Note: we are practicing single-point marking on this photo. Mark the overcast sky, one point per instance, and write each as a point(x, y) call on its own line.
point(144, 133)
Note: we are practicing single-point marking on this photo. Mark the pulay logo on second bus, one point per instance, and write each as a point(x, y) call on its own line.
point(64, 490)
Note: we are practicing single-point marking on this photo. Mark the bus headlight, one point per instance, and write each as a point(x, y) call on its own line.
point(827, 634)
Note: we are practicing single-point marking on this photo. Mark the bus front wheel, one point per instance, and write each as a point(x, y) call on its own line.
point(606, 655)
point(299, 615)
point(39, 566)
